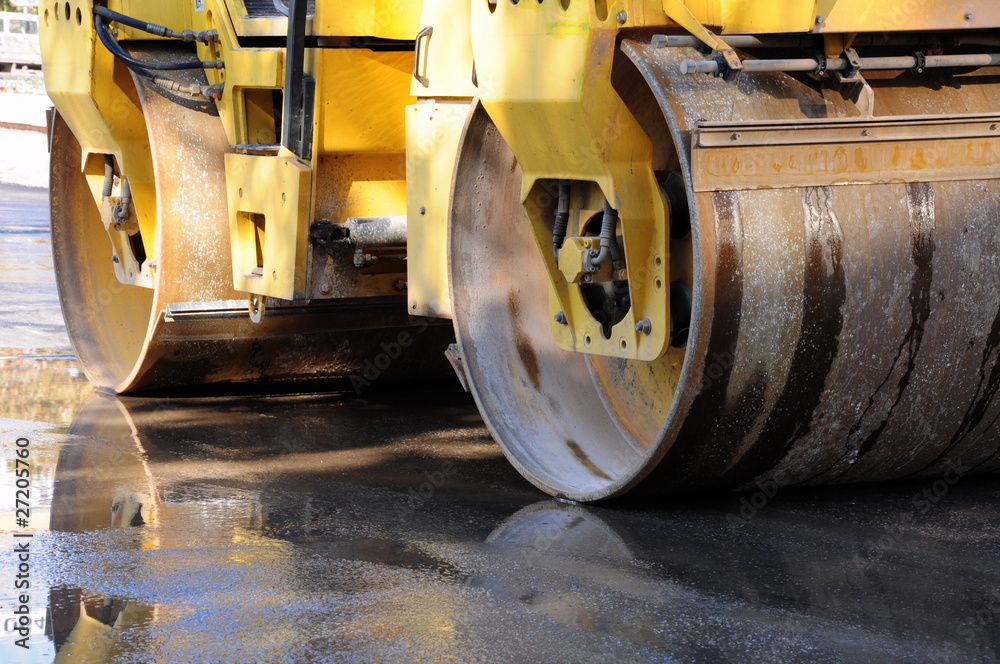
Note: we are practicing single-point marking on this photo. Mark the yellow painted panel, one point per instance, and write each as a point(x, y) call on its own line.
point(433, 132)
point(269, 211)
point(564, 121)
point(446, 54)
point(362, 96)
point(245, 68)
point(384, 19)
point(360, 186)
point(766, 16)
point(96, 97)
point(871, 15)
point(174, 15)
point(775, 16)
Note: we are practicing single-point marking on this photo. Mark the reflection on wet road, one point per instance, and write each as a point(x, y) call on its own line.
point(328, 528)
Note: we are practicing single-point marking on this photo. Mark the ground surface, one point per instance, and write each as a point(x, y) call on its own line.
point(323, 527)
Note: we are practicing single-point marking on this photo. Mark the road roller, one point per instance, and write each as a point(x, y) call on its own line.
point(668, 245)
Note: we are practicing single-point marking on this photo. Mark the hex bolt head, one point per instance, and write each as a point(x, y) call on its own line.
point(968, 16)
point(586, 278)
point(561, 318)
point(324, 288)
point(621, 17)
point(644, 326)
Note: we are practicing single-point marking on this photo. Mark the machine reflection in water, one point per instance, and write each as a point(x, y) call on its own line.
point(251, 529)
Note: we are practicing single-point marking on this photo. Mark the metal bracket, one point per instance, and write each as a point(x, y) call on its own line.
point(678, 11)
point(256, 306)
point(300, 88)
point(426, 32)
point(454, 355)
point(853, 63)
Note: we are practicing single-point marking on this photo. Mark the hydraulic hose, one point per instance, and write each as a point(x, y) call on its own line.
point(608, 240)
point(205, 36)
point(109, 176)
point(109, 43)
point(562, 217)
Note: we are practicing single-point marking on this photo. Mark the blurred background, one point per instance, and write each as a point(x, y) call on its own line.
point(23, 153)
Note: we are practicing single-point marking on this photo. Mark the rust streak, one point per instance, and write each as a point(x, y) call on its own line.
point(712, 428)
point(524, 349)
point(816, 349)
point(920, 199)
point(582, 457)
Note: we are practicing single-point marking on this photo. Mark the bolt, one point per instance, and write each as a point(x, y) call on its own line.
point(621, 17)
point(324, 288)
point(994, 127)
point(423, 210)
point(117, 226)
point(968, 16)
point(585, 278)
point(399, 284)
point(735, 137)
point(561, 318)
point(866, 132)
point(594, 253)
point(819, 20)
point(114, 259)
point(644, 326)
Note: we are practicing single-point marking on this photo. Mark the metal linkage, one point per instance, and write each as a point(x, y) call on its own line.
point(364, 232)
point(300, 88)
point(924, 40)
point(917, 62)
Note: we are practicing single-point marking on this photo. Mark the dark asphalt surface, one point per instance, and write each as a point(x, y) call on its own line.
point(329, 528)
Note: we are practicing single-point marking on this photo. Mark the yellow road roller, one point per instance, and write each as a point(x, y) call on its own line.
point(667, 244)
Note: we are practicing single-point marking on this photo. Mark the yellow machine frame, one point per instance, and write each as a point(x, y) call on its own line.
point(387, 125)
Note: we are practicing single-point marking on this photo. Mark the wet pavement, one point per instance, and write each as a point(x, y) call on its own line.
point(31, 315)
point(318, 526)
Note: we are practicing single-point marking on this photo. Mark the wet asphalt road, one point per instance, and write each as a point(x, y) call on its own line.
point(31, 314)
point(321, 527)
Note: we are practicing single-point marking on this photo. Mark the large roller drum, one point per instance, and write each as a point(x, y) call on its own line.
point(845, 279)
point(193, 327)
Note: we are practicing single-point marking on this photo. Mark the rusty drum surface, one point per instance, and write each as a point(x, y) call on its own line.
point(846, 286)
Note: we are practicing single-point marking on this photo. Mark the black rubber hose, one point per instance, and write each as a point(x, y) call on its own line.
point(116, 50)
point(608, 240)
point(562, 218)
point(151, 28)
point(113, 46)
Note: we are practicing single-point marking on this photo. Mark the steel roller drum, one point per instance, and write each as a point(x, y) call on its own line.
point(192, 328)
point(846, 311)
